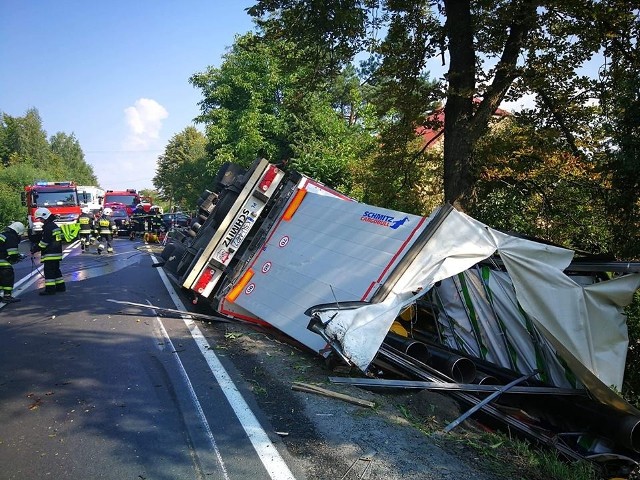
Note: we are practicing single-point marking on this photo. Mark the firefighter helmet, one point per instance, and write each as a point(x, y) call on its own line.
point(108, 212)
point(86, 210)
point(17, 227)
point(42, 212)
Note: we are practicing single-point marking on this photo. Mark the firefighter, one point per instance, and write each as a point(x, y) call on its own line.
point(154, 225)
point(106, 229)
point(138, 218)
point(9, 254)
point(50, 248)
point(86, 222)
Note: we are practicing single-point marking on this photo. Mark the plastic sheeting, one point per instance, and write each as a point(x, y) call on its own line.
point(583, 323)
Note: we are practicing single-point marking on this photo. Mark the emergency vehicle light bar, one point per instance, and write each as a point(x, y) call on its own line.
point(235, 291)
point(42, 183)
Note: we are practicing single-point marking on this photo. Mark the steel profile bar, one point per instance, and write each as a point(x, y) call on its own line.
point(458, 387)
point(487, 400)
point(398, 358)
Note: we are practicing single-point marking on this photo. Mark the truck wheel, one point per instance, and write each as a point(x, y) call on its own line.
point(167, 251)
point(227, 175)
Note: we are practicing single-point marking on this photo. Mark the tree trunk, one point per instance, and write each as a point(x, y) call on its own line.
point(458, 110)
point(464, 124)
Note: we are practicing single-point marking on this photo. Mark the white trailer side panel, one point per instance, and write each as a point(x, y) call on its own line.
point(331, 250)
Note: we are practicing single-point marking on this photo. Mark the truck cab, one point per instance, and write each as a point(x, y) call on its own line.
point(91, 196)
point(61, 198)
point(129, 198)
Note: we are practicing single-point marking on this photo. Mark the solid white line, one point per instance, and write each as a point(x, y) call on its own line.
point(194, 399)
point(267, 452)
point(18, 287)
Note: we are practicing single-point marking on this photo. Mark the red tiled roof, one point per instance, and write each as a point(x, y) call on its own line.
point(433, 127)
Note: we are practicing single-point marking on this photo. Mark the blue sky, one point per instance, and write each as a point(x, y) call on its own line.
point(113, 73)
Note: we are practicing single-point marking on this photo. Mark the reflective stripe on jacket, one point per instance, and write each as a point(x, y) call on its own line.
point(106, 226)
point(86, 223)
point(9, 242)
point(51, 243)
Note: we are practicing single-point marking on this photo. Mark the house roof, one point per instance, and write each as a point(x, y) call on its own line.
point(433, 127)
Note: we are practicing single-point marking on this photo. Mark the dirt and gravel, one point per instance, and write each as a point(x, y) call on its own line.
point(331, 438)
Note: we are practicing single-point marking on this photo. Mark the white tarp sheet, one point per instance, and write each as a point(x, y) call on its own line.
point(584, 324)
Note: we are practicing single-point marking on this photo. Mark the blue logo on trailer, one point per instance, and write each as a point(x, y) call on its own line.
point(383, 220)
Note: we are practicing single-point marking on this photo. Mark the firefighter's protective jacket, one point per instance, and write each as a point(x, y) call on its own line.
point(51, 243)
point(9, 241)
point(106, 226)
point(85, 221)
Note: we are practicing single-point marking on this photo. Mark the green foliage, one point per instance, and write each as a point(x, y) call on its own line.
point(631, 386)
point(68, 155)
point(620, 100)
point(12, 182)
point(24, 139)
point(182, 174)
point(243, 105)
point(531, 186)
point(256, 106)
point(525, 460)
point(26, 156)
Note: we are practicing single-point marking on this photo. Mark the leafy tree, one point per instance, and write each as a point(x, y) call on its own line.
point(331, 131)
point(531, 186)
point(181, 175)
point(495, 49)
point(620, 100)
point(255, 105)
point(26, 155)
point(12, 182)
point(25, 141)
point(71, 158)
point(243, 105)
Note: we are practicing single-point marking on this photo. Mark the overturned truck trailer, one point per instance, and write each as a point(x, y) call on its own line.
point(359, 281)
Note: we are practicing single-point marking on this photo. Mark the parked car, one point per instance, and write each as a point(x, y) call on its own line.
point(176, 220)
point(122, 221)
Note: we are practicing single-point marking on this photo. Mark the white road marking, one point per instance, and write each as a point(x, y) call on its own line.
point(194, 399)
point(28, 280)
point(267, 452)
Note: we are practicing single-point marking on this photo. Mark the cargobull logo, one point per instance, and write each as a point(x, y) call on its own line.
point(383, 220)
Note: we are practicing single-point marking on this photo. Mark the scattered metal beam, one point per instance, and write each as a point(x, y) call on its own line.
point(459, 387)
point(488, 400)
point(171, 310)
point(398, 358)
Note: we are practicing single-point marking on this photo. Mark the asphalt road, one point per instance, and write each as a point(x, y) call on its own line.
point(93, 389)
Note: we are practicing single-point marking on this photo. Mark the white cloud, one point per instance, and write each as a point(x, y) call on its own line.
point(144, 120)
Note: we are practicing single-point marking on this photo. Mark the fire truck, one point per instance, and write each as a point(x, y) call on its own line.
point(59, 197)
point(128, 198)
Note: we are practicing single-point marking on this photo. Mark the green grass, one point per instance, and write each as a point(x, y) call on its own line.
point(517, 459)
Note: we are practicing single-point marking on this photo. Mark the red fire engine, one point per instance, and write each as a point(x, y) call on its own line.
point(128, 198)
point(59, 197)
